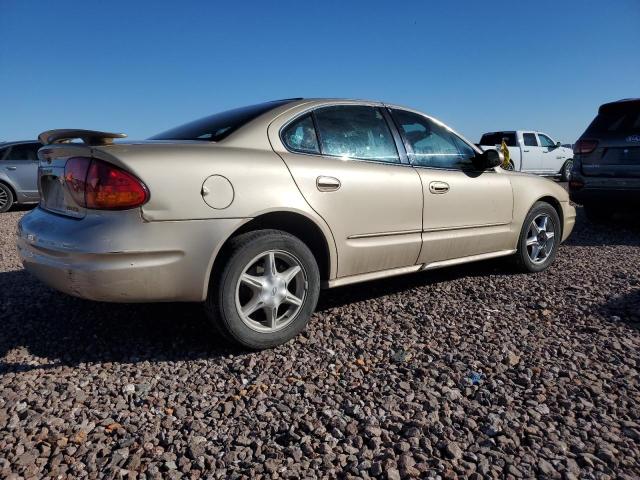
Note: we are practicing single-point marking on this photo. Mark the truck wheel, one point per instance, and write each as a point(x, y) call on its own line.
point(6, 198)
point(565, 173)
point(266, 292)
point(511, 167)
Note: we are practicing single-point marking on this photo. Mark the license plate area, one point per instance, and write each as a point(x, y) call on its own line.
point(54, 196)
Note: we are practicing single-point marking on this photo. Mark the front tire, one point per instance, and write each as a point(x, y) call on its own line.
point(267, 290)
point(6, 198)
point(539, 238)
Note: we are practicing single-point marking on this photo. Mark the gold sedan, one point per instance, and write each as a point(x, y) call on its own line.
point(253, 210)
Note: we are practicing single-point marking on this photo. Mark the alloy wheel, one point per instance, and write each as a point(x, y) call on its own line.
point(540, 238)
point(4, 198)
point(271, 291)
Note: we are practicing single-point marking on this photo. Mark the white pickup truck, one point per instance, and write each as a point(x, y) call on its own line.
point(532, 152)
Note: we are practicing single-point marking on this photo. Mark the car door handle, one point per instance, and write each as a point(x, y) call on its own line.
point(11, 168)
point(525, 150)
point(438, 187)
point(327, 184)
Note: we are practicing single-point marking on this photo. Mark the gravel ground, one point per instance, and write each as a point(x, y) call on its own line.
point(473, 372)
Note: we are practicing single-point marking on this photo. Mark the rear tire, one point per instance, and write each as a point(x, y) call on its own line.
point(6, 198)
point(540, 237)
point(267, 290)
point(565, 173)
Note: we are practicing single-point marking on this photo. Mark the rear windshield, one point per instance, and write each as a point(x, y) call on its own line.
point(623, 119)
point(496, 138)
point(219, 125)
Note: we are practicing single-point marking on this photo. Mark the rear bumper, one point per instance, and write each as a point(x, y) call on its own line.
point(569, 219)
point(610, 197)
point(118, 257)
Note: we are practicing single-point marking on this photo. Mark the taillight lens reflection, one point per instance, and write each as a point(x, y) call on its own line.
point(99, 185)
point(585, 146)
point(75, 175)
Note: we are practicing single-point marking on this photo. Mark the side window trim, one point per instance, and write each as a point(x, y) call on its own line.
point(402, 145)
point(312, 114)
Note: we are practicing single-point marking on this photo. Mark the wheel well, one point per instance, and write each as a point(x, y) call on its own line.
point(293, 223)
point(556, 205)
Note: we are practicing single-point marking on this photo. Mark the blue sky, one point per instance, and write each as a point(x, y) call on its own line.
point(141, 67)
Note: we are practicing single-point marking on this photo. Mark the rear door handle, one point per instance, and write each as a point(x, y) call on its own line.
point(11, 168)
point(327, 184)
point(438, 187)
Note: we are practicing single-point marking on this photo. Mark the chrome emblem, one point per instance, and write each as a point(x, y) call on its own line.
point(633, 138)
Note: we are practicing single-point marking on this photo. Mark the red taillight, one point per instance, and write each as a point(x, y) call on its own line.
point(585, 146)
point(101, 186)
point(575, 184)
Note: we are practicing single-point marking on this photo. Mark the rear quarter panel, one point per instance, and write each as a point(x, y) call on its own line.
point(175, 173)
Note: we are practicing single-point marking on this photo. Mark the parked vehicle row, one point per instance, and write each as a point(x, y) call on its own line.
point(532, 152)
point(252, 210)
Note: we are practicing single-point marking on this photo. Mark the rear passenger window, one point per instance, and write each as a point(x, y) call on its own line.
point(27, 151)
point(300, 136)
point(355, 131)
point(530, 140)
point(497, 138)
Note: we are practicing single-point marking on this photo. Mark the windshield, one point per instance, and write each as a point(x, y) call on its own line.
point(219, 125)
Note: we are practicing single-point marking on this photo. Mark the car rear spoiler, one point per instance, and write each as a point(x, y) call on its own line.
point(90, 137)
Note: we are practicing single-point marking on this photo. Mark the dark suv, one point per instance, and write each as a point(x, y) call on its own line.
point(606, 161)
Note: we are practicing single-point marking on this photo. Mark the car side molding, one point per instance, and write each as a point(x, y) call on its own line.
point(89, 137)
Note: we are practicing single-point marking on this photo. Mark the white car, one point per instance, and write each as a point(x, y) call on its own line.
point(532, 152)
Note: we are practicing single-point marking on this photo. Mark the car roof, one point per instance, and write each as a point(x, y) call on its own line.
point(17, 142)
point(625, 102)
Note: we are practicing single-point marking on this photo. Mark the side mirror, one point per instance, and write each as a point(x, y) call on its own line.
point(558, 144)
point(490, 159)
